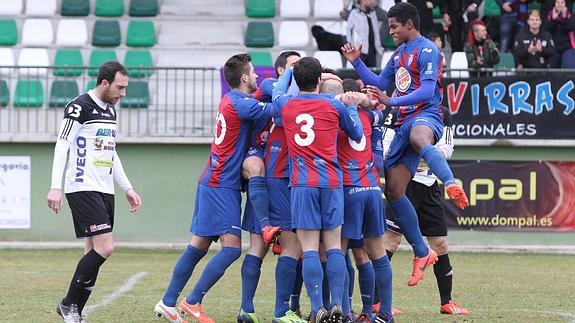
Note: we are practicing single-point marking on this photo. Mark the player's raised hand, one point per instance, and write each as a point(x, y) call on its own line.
point(134, 200)
point(351, 52)
point(55, 200)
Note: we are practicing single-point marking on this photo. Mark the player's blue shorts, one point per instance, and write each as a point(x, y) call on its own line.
point(316, 208)
point(280, 212)
point(217, 211)
point(363, 212)
point(258, 151)
point(400, 149)
point(355, 243)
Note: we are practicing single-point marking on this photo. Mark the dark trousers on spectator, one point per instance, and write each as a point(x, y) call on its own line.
point(456, 32)
point(565, 59)
point(370, 59)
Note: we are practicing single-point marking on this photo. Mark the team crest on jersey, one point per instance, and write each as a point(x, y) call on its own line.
point(402, 79)
point(98, 143)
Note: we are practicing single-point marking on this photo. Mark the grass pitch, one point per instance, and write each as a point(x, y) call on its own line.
point(494, 287)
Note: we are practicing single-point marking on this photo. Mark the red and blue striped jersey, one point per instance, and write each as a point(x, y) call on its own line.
point(237, 112)
point(356, 158)
point(311, 123)
point(277, 153)
point(411, 63)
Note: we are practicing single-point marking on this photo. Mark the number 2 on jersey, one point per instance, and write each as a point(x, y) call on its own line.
point(306, 128)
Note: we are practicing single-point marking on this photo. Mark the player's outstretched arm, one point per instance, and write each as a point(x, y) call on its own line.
point(368, 77)
point(422, 94)
point(279, 94)
point(349, 120)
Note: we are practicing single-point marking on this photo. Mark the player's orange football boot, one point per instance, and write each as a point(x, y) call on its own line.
point(453, 308)
point(419, 265)
point(277, 249)
point(195, 311)
point(270, 234)
point(394, 311)
point(457, 195)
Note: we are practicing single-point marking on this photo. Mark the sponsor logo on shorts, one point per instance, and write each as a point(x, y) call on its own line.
point(421, 120)
point(99, 227)
point(355, 190)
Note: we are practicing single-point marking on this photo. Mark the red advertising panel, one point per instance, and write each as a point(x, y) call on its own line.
point(514, 196)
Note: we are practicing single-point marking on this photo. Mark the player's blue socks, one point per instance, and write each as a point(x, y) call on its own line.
point(251, 270)
point(285, 277)
point(297, 286)
point(366, 285)
point(258, 195)
point(335, 271)
point(351, 275)
point(181, 274)
point(383, 278)
point(213, 271)
point(437, 164)
point(313, 277)
point(406, 218)
point(325, 287)
point(346, 301)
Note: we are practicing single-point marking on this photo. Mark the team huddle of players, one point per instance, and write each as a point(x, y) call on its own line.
point(309, 154)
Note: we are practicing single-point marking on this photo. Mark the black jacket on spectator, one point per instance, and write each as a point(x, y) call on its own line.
point(538, 60)
point(559, 29)
point(458, 28)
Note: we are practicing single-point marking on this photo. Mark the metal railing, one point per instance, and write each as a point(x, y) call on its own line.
point(181, 102)
point(168, 105)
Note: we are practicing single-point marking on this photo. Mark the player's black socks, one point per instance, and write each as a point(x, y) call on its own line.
point(389, 254)
point(444, 275)
point(86, 292)
point(85, 275)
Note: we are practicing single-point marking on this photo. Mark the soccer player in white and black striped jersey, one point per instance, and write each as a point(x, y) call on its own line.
point(88, 132)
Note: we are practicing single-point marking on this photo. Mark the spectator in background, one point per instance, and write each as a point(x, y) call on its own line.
point(547, 5)
point(561, 25)
point(533, 46)
point(513, 18)
point(481, 51)
point(363, 30)
point(456, 14)
point(436, 39)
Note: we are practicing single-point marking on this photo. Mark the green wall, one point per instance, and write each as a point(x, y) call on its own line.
point(165, 175)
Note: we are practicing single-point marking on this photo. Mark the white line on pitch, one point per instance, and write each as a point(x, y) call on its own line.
point(109, 299)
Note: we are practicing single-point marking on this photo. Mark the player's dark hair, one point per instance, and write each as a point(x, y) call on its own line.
point(350, 85)
point(307, 72)
point(281, 61)
point(329, 71)
point(235, 67)
point(404, 11)
point(108, 72)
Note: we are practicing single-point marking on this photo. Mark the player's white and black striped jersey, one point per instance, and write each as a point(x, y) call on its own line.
point(90, 127)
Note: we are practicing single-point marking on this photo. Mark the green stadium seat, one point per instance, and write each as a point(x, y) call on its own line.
point(506, 60)
point(75, 8)
point(143, 8)
point(137, 95)
point(4, 93)
point(98, 57)
point(64, 59)
point(437, 13)
point(492, 9)
point(260, 8)
point(8, 32)
point(388, 43)
point(29, 94)
point(109, 8)
point(259, 34)
point(62, 92)
point(261, 58)
point(141, 33)
point(138, 58)
point(106, 33)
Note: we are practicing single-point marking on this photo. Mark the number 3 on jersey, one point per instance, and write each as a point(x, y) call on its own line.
point(221, 124)
point(307, 122)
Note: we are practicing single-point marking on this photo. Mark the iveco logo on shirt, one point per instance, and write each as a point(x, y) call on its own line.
point(81, 160)
point(106, 133)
